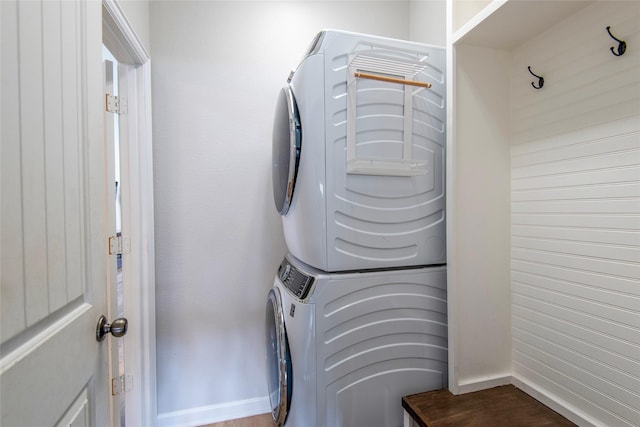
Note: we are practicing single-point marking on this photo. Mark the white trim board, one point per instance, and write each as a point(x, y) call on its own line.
point(554, 402)
point(482, 383)
point(121, 39)
point(215, 413)
point(140, 359)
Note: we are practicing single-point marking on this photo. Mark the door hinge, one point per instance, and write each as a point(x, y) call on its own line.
point(119, 245)
point(116, 104)
point(121, 384)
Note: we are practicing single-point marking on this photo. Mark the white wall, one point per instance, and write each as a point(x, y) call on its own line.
point(428, 21)
point(217, 69)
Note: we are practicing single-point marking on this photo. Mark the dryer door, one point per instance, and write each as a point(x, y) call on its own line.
point(287, 140)
point(278, 359)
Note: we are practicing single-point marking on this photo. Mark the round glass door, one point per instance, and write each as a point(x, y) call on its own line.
point(287, 140)
point(278, 360)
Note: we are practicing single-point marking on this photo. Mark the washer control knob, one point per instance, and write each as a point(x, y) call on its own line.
point(285, 273)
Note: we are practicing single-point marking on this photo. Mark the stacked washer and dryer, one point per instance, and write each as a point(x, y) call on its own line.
point(357, 315)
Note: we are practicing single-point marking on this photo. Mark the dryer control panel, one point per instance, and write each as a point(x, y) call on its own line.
point(295, 280)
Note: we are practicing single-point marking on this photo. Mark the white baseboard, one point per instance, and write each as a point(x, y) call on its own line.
point(260, 405)
point(480, 383)
point(554, 402)
point(215, 413)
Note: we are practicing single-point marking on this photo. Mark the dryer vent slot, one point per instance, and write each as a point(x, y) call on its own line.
point(380, 110)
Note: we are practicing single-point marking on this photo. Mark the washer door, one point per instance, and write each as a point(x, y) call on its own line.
point(287, 141)
point(278, 359)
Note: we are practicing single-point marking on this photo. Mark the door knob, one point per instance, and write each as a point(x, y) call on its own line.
point(117, 328)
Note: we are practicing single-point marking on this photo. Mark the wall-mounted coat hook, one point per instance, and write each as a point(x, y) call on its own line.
point(622, 45)
point(540, 80)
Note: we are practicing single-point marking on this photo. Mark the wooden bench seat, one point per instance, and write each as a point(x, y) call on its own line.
point(504, 406)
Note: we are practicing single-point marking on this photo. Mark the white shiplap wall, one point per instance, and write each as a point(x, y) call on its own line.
point(575, 200)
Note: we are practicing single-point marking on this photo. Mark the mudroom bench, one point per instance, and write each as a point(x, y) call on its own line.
point(504, 406)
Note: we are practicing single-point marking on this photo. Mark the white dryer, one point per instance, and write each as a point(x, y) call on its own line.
point(342, 349)
point(359, 154)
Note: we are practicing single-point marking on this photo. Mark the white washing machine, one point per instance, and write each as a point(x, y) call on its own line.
point(359, 154)
point(342, 349)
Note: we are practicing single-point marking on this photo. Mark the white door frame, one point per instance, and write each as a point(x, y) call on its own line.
point(140, 356)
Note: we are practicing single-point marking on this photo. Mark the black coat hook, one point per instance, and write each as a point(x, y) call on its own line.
point(622, 45)
point(540, 80)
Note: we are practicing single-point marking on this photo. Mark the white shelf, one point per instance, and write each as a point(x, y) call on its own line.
point(506, 24)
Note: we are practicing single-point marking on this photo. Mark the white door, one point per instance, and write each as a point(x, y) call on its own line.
point(54, 252)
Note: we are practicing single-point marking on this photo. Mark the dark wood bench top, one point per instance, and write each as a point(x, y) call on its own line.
point(504, 406)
